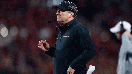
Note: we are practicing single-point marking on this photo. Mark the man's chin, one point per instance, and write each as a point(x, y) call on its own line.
point(119, 38)
point(58, 20)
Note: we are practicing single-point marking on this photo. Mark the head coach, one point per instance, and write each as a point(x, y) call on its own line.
point(74, 47)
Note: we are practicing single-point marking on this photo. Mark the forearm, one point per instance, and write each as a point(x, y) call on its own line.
point(126, 42)
point(83, 59)
point(50, 51)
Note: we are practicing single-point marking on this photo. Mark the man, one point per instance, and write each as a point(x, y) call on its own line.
point(122, 31)
point(74, 46)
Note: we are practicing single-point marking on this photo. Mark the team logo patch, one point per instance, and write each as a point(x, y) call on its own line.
point(65, 36)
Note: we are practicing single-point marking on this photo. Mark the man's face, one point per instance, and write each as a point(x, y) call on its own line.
point(62, 16)
point(118, 35)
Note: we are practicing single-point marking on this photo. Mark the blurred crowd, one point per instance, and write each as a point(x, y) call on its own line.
point(28, 21)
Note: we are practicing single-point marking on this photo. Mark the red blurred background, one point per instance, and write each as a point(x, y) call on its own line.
point(28, 21)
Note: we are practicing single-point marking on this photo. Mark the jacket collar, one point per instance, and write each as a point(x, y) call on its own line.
point(68, 25)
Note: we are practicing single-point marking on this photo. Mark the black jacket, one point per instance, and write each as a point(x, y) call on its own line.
point(74, 48)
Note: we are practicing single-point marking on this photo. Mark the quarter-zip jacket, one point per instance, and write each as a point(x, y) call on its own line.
point(124, 62)
point(74, 48)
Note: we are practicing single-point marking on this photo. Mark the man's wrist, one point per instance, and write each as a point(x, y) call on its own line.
point(48, 47)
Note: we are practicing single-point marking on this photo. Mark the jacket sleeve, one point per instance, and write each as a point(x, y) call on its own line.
point(87, 45)
point(123, 53)
point(51, 51)
point(126, 42)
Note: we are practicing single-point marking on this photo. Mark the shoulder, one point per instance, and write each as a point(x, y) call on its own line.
point(81, 28)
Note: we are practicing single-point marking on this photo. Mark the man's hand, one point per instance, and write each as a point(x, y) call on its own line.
point(70, 70)
point(128, 33)
point(43, 45)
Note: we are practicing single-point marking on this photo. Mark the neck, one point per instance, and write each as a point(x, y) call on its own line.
point(129, 35)
point(70, 19)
